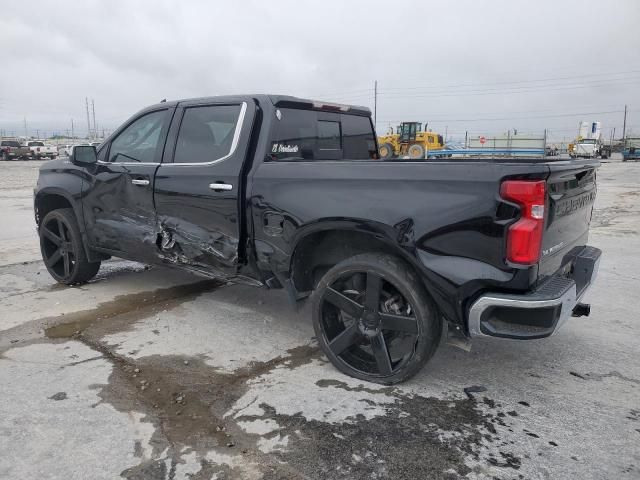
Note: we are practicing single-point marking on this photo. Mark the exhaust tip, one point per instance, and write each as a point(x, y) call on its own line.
point(581, 310)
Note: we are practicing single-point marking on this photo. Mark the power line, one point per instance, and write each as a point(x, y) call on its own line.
point(501, 91)
point(527, 117)
point(367, 92)
point(514, 82)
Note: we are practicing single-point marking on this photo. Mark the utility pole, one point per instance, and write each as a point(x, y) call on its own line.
point(375, 103)
point(26, 132)
point(72, 128)
point(446, 131)
point(624, 125)
point(86, 105)
point(93, 108)
point(466, 138)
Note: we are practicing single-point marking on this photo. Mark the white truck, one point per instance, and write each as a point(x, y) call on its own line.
point(589, 143)
point(40, 150)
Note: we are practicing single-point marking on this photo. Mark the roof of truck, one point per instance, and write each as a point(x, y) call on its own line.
point(277, 100)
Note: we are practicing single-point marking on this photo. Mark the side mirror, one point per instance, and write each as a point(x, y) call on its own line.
point(83, 155)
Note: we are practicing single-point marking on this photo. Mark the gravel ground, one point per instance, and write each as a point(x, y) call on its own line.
point(147, 373)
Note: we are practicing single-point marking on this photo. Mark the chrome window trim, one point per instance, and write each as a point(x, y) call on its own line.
point(234, 141)
point(131, 123)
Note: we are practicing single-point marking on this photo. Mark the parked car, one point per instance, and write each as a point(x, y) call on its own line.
point(283, 192)
point(551, 151)
point(631, 149)
point(64, 150)
point(11, 150)
point(39, 150)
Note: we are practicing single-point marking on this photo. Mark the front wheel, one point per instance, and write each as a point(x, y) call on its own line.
point(374, 320)
point(62, 248)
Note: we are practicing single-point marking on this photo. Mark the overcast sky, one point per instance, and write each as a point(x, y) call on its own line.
point(481, 66)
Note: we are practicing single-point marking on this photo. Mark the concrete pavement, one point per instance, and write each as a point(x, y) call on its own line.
point(149, 373)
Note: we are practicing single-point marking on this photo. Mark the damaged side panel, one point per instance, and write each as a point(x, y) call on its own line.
point(119, 215)
point(198, 225)
point(183, 242)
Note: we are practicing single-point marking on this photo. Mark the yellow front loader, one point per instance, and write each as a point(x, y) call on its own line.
point(409, 141)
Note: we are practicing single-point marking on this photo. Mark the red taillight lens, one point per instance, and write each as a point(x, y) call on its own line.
point(524, 238)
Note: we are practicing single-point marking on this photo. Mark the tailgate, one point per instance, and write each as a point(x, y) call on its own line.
point(571, 188)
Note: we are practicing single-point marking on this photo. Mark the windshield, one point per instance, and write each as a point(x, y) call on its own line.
point(9, 143)
point(35, 144)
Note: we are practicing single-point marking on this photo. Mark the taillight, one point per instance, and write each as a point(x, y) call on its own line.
point(524, 237)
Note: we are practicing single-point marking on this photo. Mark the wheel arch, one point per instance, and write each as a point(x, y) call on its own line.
point(49, 199)
point(52, 198)
point(320, 246)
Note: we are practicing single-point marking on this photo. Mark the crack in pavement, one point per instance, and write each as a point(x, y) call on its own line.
point(600, 376)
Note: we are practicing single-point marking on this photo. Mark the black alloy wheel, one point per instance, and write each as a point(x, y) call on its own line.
point(62, 248)
point(374, 320)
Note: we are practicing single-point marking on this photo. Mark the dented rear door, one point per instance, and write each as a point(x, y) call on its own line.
point(198, 187)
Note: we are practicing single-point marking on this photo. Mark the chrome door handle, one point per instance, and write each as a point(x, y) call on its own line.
point(220, 186)
point(140, 181)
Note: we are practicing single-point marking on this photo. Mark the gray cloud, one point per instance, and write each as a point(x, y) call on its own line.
point(482, 66)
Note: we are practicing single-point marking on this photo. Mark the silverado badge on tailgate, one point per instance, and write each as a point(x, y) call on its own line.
point(570, 205)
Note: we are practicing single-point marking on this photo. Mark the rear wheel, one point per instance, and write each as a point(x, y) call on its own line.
point(374, 320)
point(62, 248)
point(386, 151)
point(416, 151)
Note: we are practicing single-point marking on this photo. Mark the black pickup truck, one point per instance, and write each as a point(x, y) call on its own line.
point(283, 192)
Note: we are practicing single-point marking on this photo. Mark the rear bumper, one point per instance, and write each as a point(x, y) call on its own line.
point(541, 312)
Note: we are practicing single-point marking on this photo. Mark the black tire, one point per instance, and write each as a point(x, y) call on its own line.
point(361, 336)
point(62, 248)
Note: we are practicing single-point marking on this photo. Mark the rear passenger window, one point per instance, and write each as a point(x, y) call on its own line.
point(306, 135)
point(358, 141)
point(329, 137)
point(206, 133)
